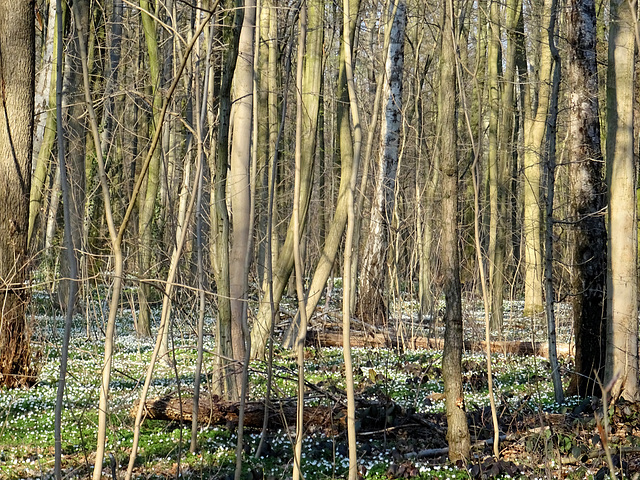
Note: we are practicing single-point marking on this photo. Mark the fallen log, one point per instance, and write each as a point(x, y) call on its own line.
point(372, 416)
point(330, 339)
point(213, 411)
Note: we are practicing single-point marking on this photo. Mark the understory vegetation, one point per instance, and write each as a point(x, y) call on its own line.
point(400, 422)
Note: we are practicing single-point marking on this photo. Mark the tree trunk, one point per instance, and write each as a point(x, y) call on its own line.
point(225, 380)
point(622, 278)
point(587, 190)
point(496, 174)
point(536, 108)
point(17, 44)
point(239, 183)
point(45, 129)
point(372, 307)
point(312, 79)
point(457, 428)
point(149, 194)
point(75, 133)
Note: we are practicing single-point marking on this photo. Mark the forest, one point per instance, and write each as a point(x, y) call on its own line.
point(313, 239)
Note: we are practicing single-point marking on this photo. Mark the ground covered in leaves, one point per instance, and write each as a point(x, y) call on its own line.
point(401, 424)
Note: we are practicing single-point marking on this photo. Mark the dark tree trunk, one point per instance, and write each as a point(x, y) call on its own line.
point(457, 428)
point(75, 136)
point(587, 191)
point(17, 59)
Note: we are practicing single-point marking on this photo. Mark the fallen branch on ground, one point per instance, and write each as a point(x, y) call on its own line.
point(328, 339)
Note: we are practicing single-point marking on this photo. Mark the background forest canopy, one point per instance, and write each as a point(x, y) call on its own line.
point(212, 157)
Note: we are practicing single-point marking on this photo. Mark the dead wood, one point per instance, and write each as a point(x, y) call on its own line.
point(213, 411)
point(373, 416)
point(329, 339)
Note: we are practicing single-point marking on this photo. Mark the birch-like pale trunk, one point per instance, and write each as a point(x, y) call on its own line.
point(372, 307)
point(622, 278)
point(43, 145)
point(45, 81)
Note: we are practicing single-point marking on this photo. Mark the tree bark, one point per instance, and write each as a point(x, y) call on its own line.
point(149, 194)
point(587, 190)
point(75, 130)
point(536, 108)
point(622, 280)
point(457, 428)
point(225, 379)
point(312, 79)
point(239, 176)
point(372, 307)
point(497, 173)
point(17, 60)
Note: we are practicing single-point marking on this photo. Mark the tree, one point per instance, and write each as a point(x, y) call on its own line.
point(239, 176)
point(17, 65)
point(372, 306)
point(587, 190)
point(224, 382)
point(311, 82)
point(496, 174)
point(75, 129)
point(622, 279)
point(457, 428)
point(536, 106)
point(150, 191)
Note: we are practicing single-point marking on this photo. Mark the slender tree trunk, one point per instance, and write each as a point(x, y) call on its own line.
point(535, 126)
point(45, 129)
point(587, 190)
point(550, 178)
point(457, 428)
point(622, 278)
point(148, 198)
point(225, 381)
point(239, 177)
point(17, 44)
point(372, 306)
point(495, 169)
point(75, 131)
point(299, 268)
point(349, 18)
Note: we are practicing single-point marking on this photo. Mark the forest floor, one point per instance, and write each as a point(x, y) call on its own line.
point(401, 423)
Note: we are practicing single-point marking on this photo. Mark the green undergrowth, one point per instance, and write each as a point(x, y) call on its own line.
point(411, 381)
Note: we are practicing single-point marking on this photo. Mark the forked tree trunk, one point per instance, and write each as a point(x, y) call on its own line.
point(372, 307)
point(457, 428)
point(587, 191)
point(17, 44)
point(622, 280)
point(312, 79)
